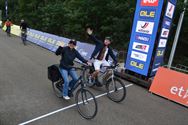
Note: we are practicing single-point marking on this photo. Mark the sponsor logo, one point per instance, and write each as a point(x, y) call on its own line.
point(147, 14)
point(165, 33)
point(170, 10)
point(167, 23)
point(149, 2)
point(144, 27)
point(160, 53)
point(142, 38)
point(181, 92)
point(83, 53)
point(140, 47)
point(162, 43)
point(173, 85)
point(139, 56)
point(137, 65)
point(51, 41)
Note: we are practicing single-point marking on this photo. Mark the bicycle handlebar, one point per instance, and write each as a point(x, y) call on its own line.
point(84, 66)
point(111, 67)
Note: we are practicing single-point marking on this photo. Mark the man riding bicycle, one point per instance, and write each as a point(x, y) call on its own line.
point(68, 54)
point(100, 54)
point(23, 27)
point(8, 25)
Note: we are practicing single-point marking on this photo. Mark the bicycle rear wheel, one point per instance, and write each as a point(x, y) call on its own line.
point(116, 90)
point(57, 88)
point(86, 103)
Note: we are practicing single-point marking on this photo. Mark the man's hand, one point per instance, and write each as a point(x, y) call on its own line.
point(89, 31)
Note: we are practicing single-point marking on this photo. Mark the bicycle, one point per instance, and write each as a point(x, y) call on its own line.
point(116, 90)
point(23, 36)
point(83, 96)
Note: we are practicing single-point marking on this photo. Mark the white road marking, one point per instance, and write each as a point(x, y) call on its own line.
point(65, 108)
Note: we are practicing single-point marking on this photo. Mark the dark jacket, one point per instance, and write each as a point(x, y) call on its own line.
point(67, 56)
point(23, 26)
point(99, 46)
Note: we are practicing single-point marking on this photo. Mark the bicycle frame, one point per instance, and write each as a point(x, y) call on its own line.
point(82, 95)
point(23, 34)
point(108, 71)
point(80, 82)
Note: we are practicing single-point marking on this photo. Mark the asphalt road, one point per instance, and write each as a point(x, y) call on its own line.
point(26, 94)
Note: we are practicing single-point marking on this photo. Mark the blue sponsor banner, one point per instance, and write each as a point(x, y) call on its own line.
point(147, 13)
point(163, 37)
point(143, 36)
point(42, 39)
point(52, 42)
point(166, 22)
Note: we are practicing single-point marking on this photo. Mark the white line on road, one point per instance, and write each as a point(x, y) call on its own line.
point(65, 108)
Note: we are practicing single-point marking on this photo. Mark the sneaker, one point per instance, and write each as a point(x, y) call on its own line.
point(66, 97)
point(90, 79)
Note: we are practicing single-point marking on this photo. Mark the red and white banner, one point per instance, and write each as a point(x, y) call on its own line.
point(172, 85)
point(149, 2)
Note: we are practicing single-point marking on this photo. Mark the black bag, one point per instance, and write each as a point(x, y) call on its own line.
point(53, 73)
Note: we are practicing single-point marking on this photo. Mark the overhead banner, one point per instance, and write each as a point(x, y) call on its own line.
point(144, 31)
point(171, 85)
point(163, 36)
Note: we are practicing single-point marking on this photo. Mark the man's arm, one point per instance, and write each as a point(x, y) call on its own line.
point(59, 51)
point(92, 37)
point(97, 41)
point(111, 53)
point(80, 57)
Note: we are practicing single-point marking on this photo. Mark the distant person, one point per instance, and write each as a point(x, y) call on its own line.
point(23, 27)
point(8, 25)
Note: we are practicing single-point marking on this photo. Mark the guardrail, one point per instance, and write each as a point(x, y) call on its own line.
point(180, 68)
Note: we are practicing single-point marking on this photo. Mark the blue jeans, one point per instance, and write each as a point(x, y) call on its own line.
point(65, 73)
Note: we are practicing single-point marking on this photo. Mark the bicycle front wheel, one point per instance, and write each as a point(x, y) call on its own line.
point(86, 103)
point(116, 90)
